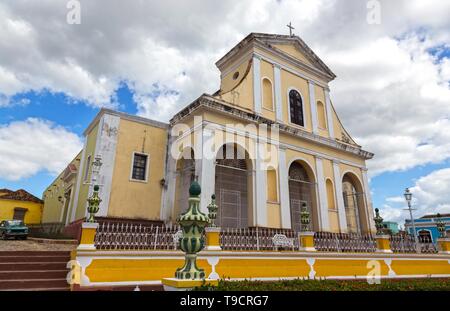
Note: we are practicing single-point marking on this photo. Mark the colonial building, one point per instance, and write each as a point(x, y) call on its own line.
point(267, 142)
point(20, 205)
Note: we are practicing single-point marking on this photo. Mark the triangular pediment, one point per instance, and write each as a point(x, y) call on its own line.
point(295, 47)
point(292, 48)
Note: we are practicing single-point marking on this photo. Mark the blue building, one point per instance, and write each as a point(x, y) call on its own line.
point(426, 226)
point(391, 226)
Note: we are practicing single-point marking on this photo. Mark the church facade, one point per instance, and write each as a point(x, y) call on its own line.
point(266, 143)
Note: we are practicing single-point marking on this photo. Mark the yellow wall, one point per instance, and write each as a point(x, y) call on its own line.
point(53, 207)
point(91, 141)
point(136, 199)
point(32, 216)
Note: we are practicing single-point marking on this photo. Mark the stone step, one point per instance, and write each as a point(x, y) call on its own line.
point(33, 266)
point(33, 274)
point(54, 289)
point(34, 253)
point(33, 283)
point(17, 259)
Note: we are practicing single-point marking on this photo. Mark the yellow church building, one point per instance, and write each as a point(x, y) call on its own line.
point(267, 142)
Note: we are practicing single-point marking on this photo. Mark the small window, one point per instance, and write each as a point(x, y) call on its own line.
point(296, 108)
point(267, 94)
point(139, 167)
point(321, 115)
point(86, 169)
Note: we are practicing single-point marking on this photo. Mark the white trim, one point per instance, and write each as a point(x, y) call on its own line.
point(147, 162)
point(329, 112)
point(284, 190)
point(339, 198)
point(262, 94)
point(313, 107)
point(289, 108)
point(297, 158)
point(368, 200)
point(206, 170)
point(277, 92)
point(323, 202)
point(257, 84)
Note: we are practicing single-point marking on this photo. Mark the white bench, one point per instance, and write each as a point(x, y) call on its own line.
point(176, 239)
point(282, 240)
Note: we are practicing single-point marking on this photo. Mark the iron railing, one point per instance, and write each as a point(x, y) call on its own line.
point(344, 242)
point(125, 236)
point(401, 243)
point(256, 239)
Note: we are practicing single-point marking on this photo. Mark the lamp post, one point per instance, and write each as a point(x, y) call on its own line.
point(408, 198)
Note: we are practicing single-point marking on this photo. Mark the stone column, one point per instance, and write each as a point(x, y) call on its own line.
point(257, 84)
point(313, 107)
point(260, 182)
point(339, 196)
point(278, 97)
point(330, 114)
point(283, 174)
point(368, 200)
point(323, 202)
point(205, 168)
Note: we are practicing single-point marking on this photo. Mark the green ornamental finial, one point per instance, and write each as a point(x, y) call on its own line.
point(378, 221)
point(212, 209)
point(193, 223)
point(304, 218)
point(195, 189)
point(93, 204)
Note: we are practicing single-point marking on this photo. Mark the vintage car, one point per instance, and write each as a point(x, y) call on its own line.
point(13, 229)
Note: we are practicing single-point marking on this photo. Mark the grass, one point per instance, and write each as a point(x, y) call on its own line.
point(424, 284)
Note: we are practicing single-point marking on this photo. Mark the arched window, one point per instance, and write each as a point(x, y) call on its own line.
point(272, 195)
point(301, 190)
point(296, 108)
point(267, 94)
point(352, 203)
point(332, 210)
point(321, 115)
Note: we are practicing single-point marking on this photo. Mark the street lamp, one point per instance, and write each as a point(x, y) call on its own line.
point(408, 198)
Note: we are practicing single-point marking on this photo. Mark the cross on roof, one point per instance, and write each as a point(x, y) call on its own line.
point(290, 28)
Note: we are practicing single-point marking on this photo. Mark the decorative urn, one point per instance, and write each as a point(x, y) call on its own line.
point(304, 218)
point(212, 211)
point(378, 222)
point(93, 204)
point(193, 223)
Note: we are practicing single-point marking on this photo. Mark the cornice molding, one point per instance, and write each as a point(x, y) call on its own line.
point(208, 102)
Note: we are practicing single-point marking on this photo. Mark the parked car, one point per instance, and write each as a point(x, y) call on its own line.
point(13, 228)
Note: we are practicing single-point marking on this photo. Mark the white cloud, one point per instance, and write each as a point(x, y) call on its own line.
point(391, 94)
point(33, 145)
point(430, 196)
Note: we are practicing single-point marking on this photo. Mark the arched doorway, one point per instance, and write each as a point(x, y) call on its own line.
point(233, 186)
point(425, 236)
point(302, 190)
point(185, 176)
point(354, 204)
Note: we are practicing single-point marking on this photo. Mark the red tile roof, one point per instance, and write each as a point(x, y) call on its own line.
point(19, 195)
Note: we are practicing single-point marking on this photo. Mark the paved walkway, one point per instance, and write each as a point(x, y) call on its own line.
point(16, 245)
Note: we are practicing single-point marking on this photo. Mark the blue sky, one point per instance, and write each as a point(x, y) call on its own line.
point(392, 90)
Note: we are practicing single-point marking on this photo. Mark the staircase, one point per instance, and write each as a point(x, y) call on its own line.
point(34, 270)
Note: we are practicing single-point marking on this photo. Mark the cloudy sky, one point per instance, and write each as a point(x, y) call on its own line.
point(151, 58)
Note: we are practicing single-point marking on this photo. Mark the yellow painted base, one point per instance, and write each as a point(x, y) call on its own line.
point(212, 239)
point(88, 231)
point(102, 268)
point(307, 241)
point(444, 245)
point(383, 244)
